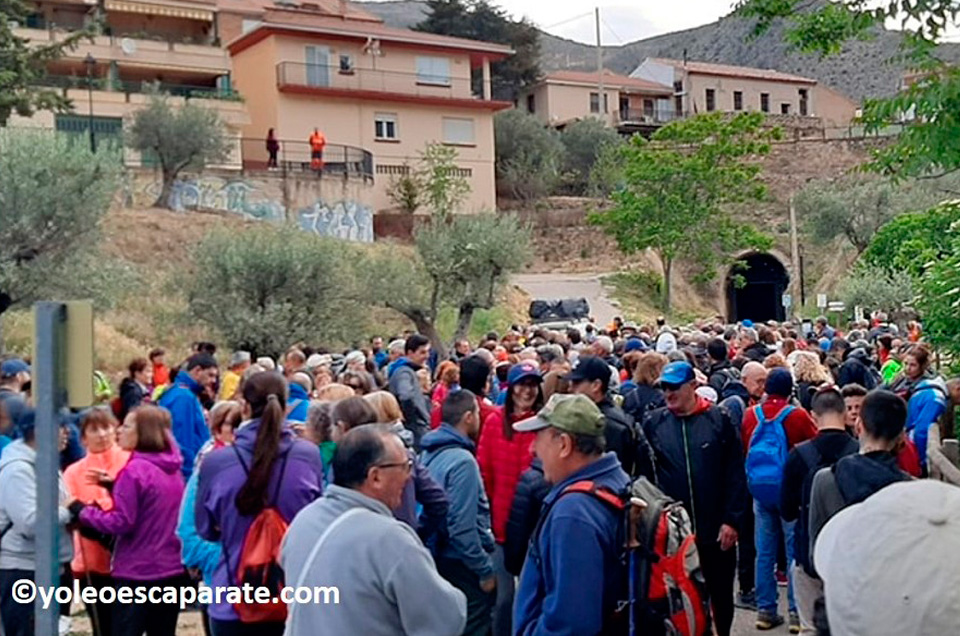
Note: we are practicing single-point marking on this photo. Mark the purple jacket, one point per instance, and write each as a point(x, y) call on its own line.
point(146, 506)
point(222, 476)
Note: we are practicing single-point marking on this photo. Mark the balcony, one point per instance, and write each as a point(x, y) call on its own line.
point(209, 60)
point(129, 87)
point(646, 117)
point(357, 83)
point(295, 156)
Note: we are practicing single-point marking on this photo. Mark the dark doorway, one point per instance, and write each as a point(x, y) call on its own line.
point(761, 298)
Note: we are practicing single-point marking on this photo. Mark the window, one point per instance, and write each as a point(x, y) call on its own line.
point(531, 104)
point(385, 126)
point(711, 96)
point(678, 105)
point(346, 65)
point(458, 131)
point(804, 104)
point(765, 102)
point(678, 87)
point(784, 109)
point(594, 102)
point(648, 109)
point(737, 100)
point(433, 70)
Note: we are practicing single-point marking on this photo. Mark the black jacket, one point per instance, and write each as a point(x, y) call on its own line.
point(642, 399)
point(714, 468)
point(854, 371)
point(757, 352)
point(720, 374)
point(524, 513)
point(131, 396)
point(619, 433)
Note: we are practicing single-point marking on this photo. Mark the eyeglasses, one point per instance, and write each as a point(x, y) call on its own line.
point(407, 465)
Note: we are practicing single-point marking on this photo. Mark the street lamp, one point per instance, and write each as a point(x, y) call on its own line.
point(91, 64)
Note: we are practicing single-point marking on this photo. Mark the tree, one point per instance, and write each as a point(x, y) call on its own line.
point(444, 187)
point(528, 155)
point(53, 194)
point(911, 242)
point(677, 184)
point(928, 107)
point(406, 190)
point(856, 207)
point(939, 300)
point(481, 20)
point(878, 289)
point(265, 288)
point(583, 145)
point(23, 65)
point(184, 138)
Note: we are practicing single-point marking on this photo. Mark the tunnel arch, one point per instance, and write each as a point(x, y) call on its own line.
point(761, 298)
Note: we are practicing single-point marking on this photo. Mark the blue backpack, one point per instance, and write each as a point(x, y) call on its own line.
point(767, 457)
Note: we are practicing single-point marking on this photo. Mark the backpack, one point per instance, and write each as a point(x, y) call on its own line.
point(767, 456)
point(663, 588)
point(259, 563)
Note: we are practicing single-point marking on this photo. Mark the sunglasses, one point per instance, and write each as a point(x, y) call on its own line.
point(407, 465)
point(670, 387)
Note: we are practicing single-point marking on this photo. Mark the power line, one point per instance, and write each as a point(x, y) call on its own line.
point(568, 20)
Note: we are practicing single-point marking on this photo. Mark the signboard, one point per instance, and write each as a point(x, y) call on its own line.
point(787, 301)
point(836, 306)
point(821, 300)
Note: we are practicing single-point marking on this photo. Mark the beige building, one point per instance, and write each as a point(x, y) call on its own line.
point(378, 94)
point(562, 97)
point(169, 44)
point(699, 87)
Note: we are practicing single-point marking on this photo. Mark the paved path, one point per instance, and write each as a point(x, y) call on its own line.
point(555, 286)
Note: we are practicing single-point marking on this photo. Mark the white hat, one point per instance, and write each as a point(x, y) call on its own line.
point(318, 360)
point(889, 565)
point(355, 357)
point(707, 393)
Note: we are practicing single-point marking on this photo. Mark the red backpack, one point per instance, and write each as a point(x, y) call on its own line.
point(259, 563)
point(663, 588)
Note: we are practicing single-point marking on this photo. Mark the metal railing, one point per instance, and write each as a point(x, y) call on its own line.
point(644, 116)
point(134, 87)
point(295, 156)
point(322, 76)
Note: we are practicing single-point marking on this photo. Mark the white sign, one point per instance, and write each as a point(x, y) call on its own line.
point(787, 300)
point(836, 306)
point(821, 300)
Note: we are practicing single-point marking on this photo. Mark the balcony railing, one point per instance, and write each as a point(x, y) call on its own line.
point(631, 116)
point(295, 156)
point(134, 87)
point(324, 76)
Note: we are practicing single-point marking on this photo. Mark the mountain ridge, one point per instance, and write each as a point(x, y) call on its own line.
point(861, 70)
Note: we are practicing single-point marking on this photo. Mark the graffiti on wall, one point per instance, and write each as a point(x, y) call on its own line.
point(347, 220)
point(237, 196)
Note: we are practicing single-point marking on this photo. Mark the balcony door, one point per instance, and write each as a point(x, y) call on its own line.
point(318, 65)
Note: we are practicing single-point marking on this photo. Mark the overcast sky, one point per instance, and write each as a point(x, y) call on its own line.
point(621, 21)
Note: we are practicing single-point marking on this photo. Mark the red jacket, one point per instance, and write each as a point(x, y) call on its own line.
point(502, 461)
point(908, 459)
point(799, 426)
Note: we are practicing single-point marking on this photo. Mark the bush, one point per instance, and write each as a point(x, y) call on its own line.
point(877, 289)
point(583, 145)
point(528, 155)
point(912, 241)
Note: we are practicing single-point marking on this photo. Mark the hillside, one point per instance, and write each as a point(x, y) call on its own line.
point(863, 69)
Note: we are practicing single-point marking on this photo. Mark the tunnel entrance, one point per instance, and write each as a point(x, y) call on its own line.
point(761, 298)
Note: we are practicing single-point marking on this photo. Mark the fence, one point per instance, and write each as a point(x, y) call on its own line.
point(295, 156)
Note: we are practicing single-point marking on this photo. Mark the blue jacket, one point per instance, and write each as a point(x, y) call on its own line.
point(196, 551)
point(189, 425)
point(927, 403)
point(405, 386)
point(571, 578)
point(449, 456)
point(298, 402)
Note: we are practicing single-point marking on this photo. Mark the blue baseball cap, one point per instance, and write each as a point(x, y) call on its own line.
point(635, 344)
point(523, 370)
point(747, 323)
point(12, 367)
point(676, 374)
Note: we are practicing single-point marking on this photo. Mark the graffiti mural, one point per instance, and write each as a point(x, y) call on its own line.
point(347, 220)
point(230, 195)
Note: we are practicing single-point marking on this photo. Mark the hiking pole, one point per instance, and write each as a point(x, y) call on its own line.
point(637, 506)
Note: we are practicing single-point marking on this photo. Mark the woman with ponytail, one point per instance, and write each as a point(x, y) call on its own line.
point(267, 468)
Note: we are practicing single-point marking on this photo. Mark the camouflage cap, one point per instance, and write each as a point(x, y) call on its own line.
point(575, 414)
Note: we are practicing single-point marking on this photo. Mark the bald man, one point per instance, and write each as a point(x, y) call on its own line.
point(754, 377)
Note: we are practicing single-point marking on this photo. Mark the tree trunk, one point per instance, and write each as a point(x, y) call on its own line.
point(464, 320)
point(428, 329)
point(667, 271)
point(163, 201)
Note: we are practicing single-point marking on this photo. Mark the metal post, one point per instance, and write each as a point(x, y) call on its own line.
point(49, 397)
point(603, 97)
point(90, 62)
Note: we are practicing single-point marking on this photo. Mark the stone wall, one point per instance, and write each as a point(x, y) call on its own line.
point(329, 206)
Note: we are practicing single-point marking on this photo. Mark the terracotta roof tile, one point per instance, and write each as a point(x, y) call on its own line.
point(609, 79)
point(707, 68)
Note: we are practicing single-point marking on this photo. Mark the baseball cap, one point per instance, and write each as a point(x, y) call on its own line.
point(523, 370)
point(676, 374)
point(13, 366)
point(239, 357)
point(589, 369)
point(575, 414)
point(635, 344)
point(918, 592)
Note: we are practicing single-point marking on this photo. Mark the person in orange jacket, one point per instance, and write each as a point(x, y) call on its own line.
point(317, 142)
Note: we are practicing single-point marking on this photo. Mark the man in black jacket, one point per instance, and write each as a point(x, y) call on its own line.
point(592, 378)
point(721, 371)
point(699, 461)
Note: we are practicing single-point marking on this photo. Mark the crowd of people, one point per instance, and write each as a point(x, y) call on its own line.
point(440, 495)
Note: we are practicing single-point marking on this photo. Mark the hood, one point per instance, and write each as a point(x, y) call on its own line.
point(735, 388)
point(859, 354)
point(184, 378)
point(703, 404)
point(446, 436)
point(169, 461)
point(399, 363)
point(859, 476)
point(936, 383)
point(720, 366)
point(17, 450)
point(297, 392)
point(605, 472)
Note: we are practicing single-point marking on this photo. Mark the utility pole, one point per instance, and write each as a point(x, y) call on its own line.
point(795, 272)
point(602, 107)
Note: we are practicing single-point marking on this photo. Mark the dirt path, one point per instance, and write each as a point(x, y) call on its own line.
point(559, 285)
